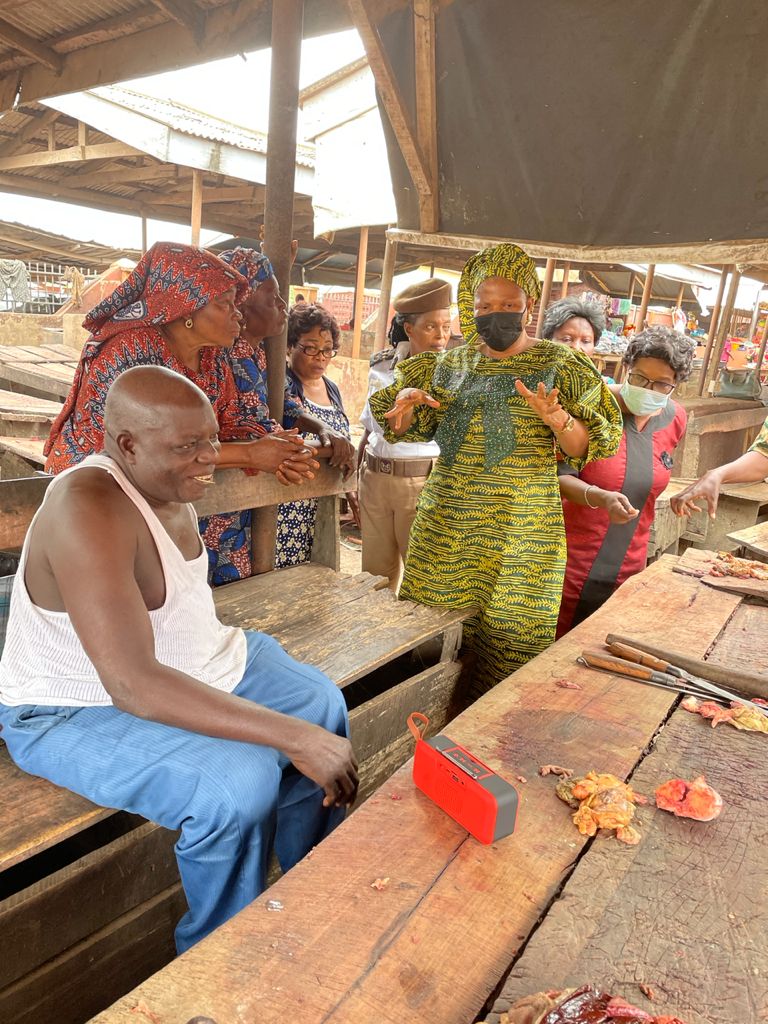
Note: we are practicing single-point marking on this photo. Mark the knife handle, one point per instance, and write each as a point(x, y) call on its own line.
point(639, 657)
point(609, 663)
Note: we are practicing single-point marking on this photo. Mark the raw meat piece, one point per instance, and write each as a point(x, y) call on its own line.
point(737, 715)
point(555, 769)
point(602, 801)
point(694, 799)
point(583, 1005)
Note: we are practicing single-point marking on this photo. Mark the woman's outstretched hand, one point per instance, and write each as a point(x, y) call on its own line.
point(545, 404)
point(400, 416)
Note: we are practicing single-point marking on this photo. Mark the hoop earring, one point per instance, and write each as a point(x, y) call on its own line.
point(189, 323)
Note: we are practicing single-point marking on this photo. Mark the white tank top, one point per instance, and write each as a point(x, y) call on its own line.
point(44, 662)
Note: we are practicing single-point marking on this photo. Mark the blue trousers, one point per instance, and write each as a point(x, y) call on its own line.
point(232, 801)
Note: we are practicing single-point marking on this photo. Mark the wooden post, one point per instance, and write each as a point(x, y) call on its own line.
point(632, 282)
point(287, 26)
point(644, 302)
point(144, 245)
point(197, 205)
point(566, 275)
point(546, 289)
point(679, 303)
point(713, 322)
point(426, 107)
point(362, 259)
point(724, 325)
point(385, 293)
point(763, 342)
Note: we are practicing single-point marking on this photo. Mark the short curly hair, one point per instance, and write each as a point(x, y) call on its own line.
point(305, 316)
point(560, 312)
point(657, 342)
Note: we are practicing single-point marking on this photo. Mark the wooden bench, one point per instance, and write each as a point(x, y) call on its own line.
point(438, 936)
point(719, 430)
point(43, 371)
point(89, 897)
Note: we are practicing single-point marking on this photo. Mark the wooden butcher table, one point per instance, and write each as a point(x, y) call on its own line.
point(453, 922)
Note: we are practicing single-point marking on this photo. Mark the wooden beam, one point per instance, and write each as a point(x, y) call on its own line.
point(389, 91)
point(82, 134)
point(566, 278)
point(646, 297)
point(713, 322)
point(51, 138)
point(725, 322)
point(426, 108)
point(231, 28)
point(546, 292)
point(37, 125)
point(197, 205)
point(124, 175)
point(748, 250)
point(187, 14)
point(209, 195)
point(32, 47)
point(74, 154)
point(362, 260)
point(385, 293)
point(144, 244)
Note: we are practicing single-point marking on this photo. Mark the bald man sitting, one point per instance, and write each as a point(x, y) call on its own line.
point(118, 682)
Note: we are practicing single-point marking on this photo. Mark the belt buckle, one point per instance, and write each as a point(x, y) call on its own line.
point(385, 466)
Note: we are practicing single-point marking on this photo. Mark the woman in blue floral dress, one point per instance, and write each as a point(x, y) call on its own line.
point(313, 340)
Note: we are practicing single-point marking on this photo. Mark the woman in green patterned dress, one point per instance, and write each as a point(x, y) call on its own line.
point(489, 527)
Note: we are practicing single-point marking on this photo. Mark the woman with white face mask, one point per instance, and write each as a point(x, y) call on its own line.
point(609, 504)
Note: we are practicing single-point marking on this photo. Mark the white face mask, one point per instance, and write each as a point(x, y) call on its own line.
point(641, 401)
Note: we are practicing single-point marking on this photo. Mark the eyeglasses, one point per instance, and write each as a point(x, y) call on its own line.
point(313, 350)
point(661, 387)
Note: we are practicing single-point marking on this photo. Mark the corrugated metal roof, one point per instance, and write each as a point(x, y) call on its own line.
point(194, 122)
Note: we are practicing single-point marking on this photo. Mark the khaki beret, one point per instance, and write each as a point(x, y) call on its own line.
point(434, 293)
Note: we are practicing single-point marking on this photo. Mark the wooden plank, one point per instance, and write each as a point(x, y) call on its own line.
point(12, 402)
point(73, 154)
point(723, 423)
point(276, 595)
point(32, 47)
point(233, 490)
point(679, 910)
point(753, 540)
point(375, 631)
point(326, 542)
point(53, 380)
point(28, 448)
point(382, 720)
point(72, 987)
point(744, 644)
point(37, 815)
point(434, 943)
point(50, 916)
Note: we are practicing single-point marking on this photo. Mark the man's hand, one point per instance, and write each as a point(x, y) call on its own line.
point(328, 760)
point(401, 413)
point(284, 454)
point(618, 506)
point(342, 449)
point(708, 488)
point(545, 404)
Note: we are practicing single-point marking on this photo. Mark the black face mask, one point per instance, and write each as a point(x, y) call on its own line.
point(499, 330)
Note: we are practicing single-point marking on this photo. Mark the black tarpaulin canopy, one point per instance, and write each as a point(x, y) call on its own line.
point(598, 129)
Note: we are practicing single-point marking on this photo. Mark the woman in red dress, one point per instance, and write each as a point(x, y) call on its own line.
point(609, 505)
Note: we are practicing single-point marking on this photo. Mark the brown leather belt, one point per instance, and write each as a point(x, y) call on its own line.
point(399, 467)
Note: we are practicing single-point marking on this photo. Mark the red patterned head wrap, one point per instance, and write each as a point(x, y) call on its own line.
point(170, 281)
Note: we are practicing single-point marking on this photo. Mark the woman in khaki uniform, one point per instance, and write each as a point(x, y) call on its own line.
point(392, 476)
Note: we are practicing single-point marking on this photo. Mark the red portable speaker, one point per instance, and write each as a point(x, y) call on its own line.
point(475, 796)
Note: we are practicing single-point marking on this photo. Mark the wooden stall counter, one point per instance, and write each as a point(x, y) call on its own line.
point(400, 916)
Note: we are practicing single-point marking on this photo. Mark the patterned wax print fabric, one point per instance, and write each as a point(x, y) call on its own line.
point(489, 526)
point(601, 554)
point(251, 375)
point(505, 260)
point(760, 444)
point(170, 282)
point(296, 519)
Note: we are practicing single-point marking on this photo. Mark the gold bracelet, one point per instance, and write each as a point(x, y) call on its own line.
point(586, 497)
point(567, 427)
